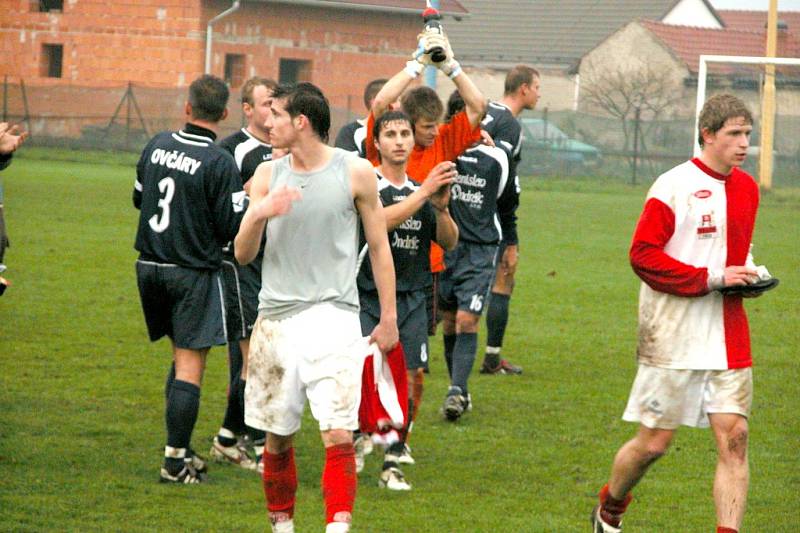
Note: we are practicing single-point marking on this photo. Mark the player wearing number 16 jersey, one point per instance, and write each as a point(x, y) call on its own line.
point(191, 201)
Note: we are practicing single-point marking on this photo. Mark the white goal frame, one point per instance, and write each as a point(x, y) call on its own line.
point(702, 75)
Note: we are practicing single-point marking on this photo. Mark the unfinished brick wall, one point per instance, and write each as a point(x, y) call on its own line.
point(154, 42)
point(160, 45)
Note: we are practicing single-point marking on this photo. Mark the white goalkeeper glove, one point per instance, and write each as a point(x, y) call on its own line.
point(450, 67)
point(421, 58)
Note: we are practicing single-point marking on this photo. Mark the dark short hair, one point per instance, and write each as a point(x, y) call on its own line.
point(372, 89)
point(519, 76)
point(208, 96)
point(717, 111)
point(250, 85)
point(390, 116)
point(455, 104)
point(422, 103)
point(307, 99)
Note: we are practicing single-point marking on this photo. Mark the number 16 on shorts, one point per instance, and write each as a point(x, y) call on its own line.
point(476, 303)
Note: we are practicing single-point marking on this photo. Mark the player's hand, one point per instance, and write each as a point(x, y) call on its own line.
point(420, 58)
point(441, 176)
point(10, 137)
point(385, 335)
point(430, 39)
point(739, 275)
point(449, 67)
point(487, 139)
point(508, 263)
point(278, 202)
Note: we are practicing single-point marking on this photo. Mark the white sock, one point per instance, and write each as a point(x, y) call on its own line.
point(286, 526)
point(337, 527)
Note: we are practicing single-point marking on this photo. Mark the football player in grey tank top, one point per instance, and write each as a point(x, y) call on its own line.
point(313, 249)
point(309, 202)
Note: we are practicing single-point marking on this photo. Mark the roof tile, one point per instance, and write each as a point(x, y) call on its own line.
point(689, 43)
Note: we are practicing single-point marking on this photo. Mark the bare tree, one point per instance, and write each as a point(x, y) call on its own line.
point(635, 96)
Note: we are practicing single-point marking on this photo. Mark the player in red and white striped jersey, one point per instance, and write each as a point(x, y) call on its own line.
point(693, 237)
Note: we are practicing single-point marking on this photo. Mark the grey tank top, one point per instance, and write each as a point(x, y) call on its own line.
point(311, 252)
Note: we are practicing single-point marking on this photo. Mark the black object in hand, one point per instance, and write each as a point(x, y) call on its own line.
point(752, 288)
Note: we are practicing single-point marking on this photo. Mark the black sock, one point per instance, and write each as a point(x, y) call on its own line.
point(496, 322)
point(234, 414)
point(170, 380)
point(257, 436)
point(182, 407)
point(235, 360)
point(390, 458)
point(463, 358)
point(449, 344)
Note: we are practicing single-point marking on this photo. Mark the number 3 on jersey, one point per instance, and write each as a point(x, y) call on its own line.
point(167, 188)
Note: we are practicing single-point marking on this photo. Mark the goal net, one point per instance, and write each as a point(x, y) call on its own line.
point(744, 76)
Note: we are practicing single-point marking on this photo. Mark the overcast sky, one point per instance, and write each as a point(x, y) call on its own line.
point(783, 5)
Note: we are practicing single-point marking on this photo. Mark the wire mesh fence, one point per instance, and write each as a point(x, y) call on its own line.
point(637, 148)
point(555, 143)
point(109, 118)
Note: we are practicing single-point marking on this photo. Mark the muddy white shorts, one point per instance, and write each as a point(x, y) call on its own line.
point(665, 398)
point(318, 355)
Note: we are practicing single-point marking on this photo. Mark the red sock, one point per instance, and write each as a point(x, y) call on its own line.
point(721, 529)
point(280, 484)
point(611, 509)
point(339, 482)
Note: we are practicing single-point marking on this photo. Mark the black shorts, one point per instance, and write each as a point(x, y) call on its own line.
point(466, 281)
point(240, 286)
point(412, 321)
point(184, 304)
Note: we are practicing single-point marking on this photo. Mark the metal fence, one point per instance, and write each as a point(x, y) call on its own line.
point(556, 143)
point(108, 118)
point(568, 143)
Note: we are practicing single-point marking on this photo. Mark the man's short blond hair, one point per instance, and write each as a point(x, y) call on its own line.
point(718, 110)
point(252, 83)
point(519, 76)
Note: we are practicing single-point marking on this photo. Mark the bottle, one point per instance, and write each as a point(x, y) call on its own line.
point(432, 19)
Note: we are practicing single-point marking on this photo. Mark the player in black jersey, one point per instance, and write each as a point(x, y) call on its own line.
point(521, 92)
point(481, 190)
point(353, 135)
point(249, 147)
point(191, 202)
point(416, 215)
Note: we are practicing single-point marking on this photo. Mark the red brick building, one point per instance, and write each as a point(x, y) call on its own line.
point(338, 45)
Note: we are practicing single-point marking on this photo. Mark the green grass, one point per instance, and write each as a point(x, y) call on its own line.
point(81, 407)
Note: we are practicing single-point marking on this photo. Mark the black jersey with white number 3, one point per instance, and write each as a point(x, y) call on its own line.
point(190, 196)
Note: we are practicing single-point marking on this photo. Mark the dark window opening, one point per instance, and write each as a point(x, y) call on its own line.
point(294, 71)
point(234, 70)
point(50, 5)
point(51, 60)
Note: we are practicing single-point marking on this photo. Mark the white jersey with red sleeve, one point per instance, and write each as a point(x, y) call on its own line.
point(694, 221)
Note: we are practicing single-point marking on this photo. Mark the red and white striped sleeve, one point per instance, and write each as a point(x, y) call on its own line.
point(648, 259)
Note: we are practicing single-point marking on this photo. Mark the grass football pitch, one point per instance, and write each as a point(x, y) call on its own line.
point(81, 388)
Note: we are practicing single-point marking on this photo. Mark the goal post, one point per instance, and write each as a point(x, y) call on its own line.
point(702, 76)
